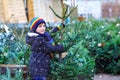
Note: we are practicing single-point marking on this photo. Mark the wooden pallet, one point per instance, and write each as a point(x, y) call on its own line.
point(13, 68)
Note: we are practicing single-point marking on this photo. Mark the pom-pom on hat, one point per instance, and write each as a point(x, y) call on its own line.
point(35, 22)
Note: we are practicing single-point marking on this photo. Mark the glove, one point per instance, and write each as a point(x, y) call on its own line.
point(63, 25)
point(58, 27)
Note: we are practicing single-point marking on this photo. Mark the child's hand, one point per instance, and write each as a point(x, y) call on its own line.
point(63, 55)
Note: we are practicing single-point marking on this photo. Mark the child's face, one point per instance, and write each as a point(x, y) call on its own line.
point(41, 28)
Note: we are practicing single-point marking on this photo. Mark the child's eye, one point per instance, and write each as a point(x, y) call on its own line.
point(39, 26)
point(43, 25)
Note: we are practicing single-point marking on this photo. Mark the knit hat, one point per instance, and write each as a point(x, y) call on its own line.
point(35, 22)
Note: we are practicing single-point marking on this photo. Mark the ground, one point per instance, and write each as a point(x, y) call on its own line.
point(106, 77)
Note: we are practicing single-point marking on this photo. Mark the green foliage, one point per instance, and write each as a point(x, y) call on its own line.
point(78, 62)
point(13, 49)
point(102, 39)
point(96, 42)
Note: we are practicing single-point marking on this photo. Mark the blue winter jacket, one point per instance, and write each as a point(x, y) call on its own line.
point(40, 53)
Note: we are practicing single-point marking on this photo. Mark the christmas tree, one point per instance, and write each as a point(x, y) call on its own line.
point(78, 64)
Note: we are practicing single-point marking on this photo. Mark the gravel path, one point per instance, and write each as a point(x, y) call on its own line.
point(106, 77)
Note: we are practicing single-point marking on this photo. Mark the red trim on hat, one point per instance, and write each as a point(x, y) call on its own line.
point(33, 24)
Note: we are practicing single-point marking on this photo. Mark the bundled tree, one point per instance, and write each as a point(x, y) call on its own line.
point(78, 63)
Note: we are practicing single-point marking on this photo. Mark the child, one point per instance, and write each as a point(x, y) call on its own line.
point(41, 46)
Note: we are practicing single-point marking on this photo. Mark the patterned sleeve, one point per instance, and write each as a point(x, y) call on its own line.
point(54, 48)
point(42, 45)
point(49, 38)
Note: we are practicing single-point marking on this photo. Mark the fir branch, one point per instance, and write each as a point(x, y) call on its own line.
point(55, 12)
point(71, 12)
point(65, 9)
